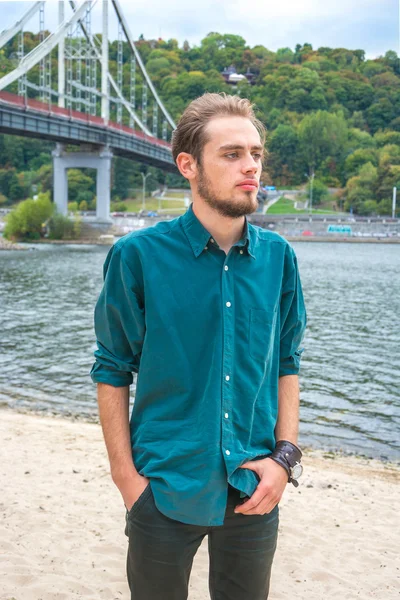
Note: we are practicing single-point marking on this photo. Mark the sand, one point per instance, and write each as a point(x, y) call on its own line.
point(62, 522)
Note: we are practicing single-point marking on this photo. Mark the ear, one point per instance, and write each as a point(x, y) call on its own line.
point(187, 165)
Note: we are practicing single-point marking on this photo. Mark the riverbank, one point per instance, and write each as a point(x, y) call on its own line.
point(289, 238)
point(62, 528)
point(7, 245)
point(351, 240)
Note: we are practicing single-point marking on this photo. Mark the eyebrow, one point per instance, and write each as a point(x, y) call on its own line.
point(239, 147)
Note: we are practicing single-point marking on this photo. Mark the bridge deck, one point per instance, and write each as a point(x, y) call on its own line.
point(31, 118)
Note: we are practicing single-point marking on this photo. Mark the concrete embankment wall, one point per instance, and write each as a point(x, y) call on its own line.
point(302, 228)
point(318, 227)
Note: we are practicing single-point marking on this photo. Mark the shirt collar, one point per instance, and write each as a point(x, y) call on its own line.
point(198, 236)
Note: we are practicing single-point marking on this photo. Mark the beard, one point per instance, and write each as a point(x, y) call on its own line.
point(226, 207)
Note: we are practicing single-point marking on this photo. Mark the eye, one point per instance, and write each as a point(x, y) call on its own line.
point(257, 156)
point(231, 155)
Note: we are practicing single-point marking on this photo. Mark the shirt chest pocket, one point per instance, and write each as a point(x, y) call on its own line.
point(262, 332)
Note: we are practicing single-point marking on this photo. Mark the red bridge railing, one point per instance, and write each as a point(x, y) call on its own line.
point(30, 104)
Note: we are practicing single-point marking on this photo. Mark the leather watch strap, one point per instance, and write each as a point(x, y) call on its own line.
point(287, 455)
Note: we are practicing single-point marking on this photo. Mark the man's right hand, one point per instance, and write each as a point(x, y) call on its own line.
point(132, 488)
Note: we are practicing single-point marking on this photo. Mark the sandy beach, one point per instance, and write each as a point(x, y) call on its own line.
point(62, 522)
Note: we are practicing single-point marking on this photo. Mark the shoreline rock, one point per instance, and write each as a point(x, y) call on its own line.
point(7, 245)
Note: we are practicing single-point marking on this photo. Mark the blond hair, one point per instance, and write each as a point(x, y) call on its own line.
point(190, 135)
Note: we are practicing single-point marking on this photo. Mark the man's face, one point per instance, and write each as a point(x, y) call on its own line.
point(228, 175)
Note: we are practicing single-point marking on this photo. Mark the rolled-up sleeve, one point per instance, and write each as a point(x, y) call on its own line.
point(293, 317)
point(119, 322)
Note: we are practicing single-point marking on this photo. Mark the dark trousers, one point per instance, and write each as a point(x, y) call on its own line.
point(161, 552)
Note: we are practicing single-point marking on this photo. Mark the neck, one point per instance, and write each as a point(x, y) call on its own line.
point(226, 231)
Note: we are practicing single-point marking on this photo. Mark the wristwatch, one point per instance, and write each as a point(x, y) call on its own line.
point(288, 456)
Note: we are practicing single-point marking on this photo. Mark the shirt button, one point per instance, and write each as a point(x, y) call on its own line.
point(211, 240)
point(228, 304)
point(227, 452)
point(241, 252)
point(226, 415)
point(226, 267)
point(206, 248)
point(227, 378)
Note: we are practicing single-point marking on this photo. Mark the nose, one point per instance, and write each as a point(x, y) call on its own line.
point(250, 165)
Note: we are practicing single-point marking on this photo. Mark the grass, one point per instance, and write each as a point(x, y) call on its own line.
point(290, 187)
point(284, 206)
point(176, 194)
point(154, 204)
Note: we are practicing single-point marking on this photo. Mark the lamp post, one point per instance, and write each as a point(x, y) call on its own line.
point(311, 182)
point(144, 177)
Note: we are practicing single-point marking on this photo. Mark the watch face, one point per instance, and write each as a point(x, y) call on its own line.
point(297, 470)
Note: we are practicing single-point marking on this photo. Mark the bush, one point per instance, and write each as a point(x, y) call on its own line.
point(78, 184)
point(3, 200)
point(83, 205)
point(77, 227)
point(85, 195)
point(10, 185)
point(72, 206)
point(63, 228)
point(369, 207)
point(28, 219)
point(319, 191)
point(120, 207)
point(385, 207)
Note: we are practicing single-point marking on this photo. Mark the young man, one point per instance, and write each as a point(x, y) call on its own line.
point(208, 310)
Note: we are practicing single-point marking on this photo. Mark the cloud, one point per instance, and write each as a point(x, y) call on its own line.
point(372, 25)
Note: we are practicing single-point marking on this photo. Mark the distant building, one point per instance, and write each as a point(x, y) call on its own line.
point(232, 77)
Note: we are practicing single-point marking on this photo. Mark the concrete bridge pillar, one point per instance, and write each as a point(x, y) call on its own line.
point(93, 159)
point(103, 185)
point(60, 180)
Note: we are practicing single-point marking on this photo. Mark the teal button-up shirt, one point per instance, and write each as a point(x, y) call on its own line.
point(209, 335)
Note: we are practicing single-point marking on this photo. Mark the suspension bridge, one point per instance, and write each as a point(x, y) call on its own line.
point(103, 113)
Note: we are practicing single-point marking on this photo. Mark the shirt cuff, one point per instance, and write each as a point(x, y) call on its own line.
point(102, 374)
point(291, 364)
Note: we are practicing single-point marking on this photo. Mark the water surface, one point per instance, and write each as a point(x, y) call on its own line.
point(350, 369)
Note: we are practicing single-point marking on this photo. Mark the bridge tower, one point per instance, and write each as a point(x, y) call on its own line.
point(101, 115)
point(95, 158)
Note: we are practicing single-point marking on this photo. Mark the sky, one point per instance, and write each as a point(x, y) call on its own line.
point(371, 25)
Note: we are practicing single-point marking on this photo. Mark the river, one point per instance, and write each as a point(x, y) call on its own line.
point(350, 387)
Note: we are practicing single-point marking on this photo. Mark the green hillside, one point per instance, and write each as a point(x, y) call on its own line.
point(328, 110)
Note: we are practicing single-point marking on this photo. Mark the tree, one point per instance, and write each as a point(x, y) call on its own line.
point(285, 55)
point(158, 66)
point(319, 191)
point(78, 182)
point(361, 188)
point(283, 148)
point(380, 113)
point(26, 221)
point(360, 139)
point(44, 177)
point(321, 134)
point(359, 158)
point(373, 67)
point(392, 60)
point(387, 137)
point(8, 180)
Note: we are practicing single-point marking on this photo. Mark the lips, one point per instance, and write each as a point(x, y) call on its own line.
point(248, 184)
